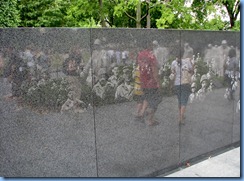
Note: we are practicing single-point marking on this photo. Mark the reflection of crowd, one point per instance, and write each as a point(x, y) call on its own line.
point(108, 70)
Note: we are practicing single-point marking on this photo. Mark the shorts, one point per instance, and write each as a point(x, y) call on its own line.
point(153, 97)
point(183, 92)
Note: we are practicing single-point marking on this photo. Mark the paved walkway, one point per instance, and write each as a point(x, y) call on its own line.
point(224, 165)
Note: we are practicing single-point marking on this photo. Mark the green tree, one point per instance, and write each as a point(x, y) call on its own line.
point(54, 14)
point(9, 15)
point(233, 9)
point(31, 11)
point(167, 14)
point(125, 7)
point(204, 8)
point(177, 15)
point(174, 14)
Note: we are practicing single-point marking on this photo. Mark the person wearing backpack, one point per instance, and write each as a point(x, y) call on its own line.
point(150, 84)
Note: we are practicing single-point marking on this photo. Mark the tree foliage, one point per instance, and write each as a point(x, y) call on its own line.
point(9, 15)
point(167, 14)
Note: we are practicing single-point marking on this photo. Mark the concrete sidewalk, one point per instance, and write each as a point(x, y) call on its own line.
point(224, 165)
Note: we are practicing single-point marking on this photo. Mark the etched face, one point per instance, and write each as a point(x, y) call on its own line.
point(102, 81)
point(70, 95)
point(204, 84)
point(195, 71)
point(115, 71)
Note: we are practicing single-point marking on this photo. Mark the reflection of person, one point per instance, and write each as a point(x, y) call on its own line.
point(1, 63)
point(150, 84)
point(231, 71)
point(181, 71)
point(188, 51)
point(161, 53)
point(138, 93)
point(18, 72)
point(223, 54)
point(73, 78)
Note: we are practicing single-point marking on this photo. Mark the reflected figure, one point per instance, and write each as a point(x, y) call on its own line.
point(150, 83)
point(161, 53)
point(89, 78)
point(238, 106)
point(18, 73)
point(188, 51)
point(138, 92)
point(73, 77)
point(181, 71)
point(231, 73)
point(223, 54)
point(28, 57)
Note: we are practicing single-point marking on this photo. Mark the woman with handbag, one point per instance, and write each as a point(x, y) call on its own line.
point(181, 71)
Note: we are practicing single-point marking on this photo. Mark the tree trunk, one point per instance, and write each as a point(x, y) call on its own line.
point(148, 16)
point(101, 13)
point(138, 15)
point(233, 11)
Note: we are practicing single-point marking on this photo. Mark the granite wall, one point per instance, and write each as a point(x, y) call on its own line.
point(67, 107)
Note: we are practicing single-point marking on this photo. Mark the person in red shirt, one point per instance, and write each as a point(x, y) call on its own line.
point(150, 84)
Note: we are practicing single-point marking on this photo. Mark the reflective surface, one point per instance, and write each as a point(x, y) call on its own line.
point(68, 106)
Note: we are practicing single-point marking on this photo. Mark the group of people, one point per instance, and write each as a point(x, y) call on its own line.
point(101, 73)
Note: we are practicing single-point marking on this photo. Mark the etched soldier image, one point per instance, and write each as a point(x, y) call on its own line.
point(124, 91)
point(97, 61)
point(115, 102)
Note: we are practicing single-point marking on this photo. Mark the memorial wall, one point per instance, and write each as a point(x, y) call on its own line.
point(114, 102)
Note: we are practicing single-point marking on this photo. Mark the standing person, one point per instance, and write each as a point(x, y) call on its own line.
point(150, 84)
point(18, 72)
point(181, 70)
point(188, 51)
point(138, 93)
point(97, 61)
point(161, 53)
point(231, 72)
point(1, 63)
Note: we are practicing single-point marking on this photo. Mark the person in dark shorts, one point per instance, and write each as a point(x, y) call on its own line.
point(181, 70)
point(150, 84)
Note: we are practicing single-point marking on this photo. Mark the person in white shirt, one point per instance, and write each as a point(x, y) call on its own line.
point(181, 70)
